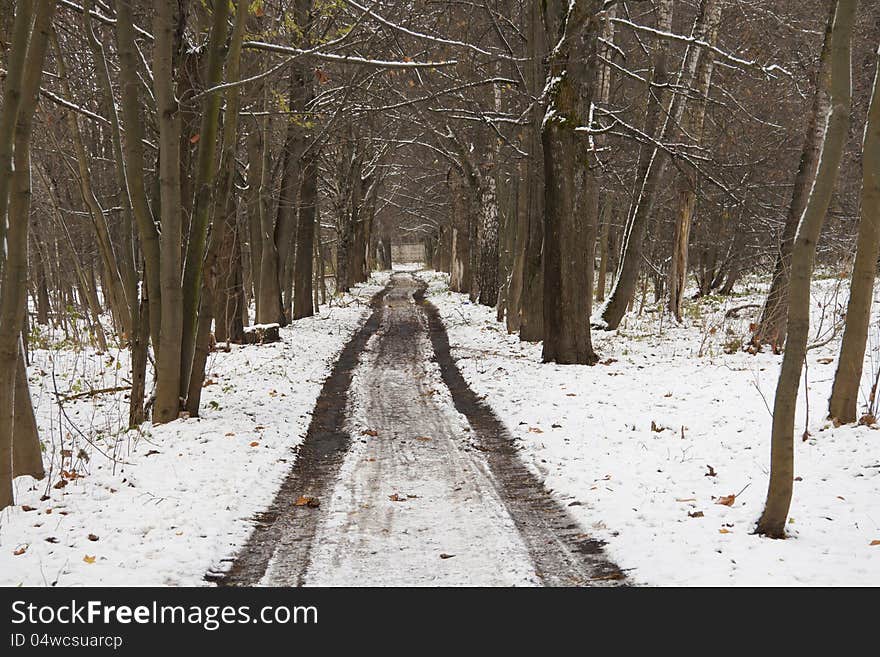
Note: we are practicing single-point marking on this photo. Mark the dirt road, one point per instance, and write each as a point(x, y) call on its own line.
point(412, 480)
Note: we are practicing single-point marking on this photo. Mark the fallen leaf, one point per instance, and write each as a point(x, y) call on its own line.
point(61, 483)
point(875, 542)
point(443, 555)
point(726, 500)
point(229, 434)
point(255, 444)
point(89, 559)
point(711, 472)
point(535, 430)
point(152, 452)
point(195, 138)
point(20, 551)
point(656, 428)
point(370, 432)
point(423, 439)
point(841, 497)
point(724, 531)
point(92, 537)
point(695, 514)
point(825, 361)
point(25, 507)
point(306, 500)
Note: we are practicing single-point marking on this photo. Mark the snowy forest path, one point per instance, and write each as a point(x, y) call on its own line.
point(412, 480)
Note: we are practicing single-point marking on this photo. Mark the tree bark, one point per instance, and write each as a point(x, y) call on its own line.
point(836, 120)
point(843, 405)
point(168, 354)
point(772, 327)
point(531, 328)
point(568, 232)
point(654, 169)
point(305, 237)
point(206, 168)
point(20, 96)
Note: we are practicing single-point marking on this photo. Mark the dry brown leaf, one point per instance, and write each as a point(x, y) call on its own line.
point(25, 507)
point(711, 472)
point(307, 500)
point(726, 500)
point(724, 531)
point(195, 138)
point(255, 444)
point(89, 559)
point(92, 537)
point(695, 514)
point(423, 438)
point(535, 430)
point(20, 551)
point(875, 542)
point(370, 432)
point(825, 361)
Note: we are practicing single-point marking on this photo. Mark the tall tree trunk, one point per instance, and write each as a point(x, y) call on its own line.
point(531, 326)
point(168, 354)
point(222, 294)
point(687, 180)
point(649, 184)
point(836, 120)
point(305, 237)
point(206, 168)
point(133, 151)
point(843, 405)
point(460, 274)
point(772, 327)
point(25, 69)
point(568, 232)
point(255, 206)
point(488, 232)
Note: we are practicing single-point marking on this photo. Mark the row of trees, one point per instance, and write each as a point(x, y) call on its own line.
point(192, 160)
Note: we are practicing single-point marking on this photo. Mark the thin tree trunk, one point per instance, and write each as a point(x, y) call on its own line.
point(649, 184)
point(773, 519)
point(133, 151)
point(531, 326)
point(206, 167)
point(772, 327)
point(305, 237)
point(26, 59)
point(843, 405)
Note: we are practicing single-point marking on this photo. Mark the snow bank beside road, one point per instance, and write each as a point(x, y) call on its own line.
point(163, 505)
point(644, 446)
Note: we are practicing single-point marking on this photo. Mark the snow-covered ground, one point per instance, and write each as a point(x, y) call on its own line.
point(161, 505)
point(647, 447)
